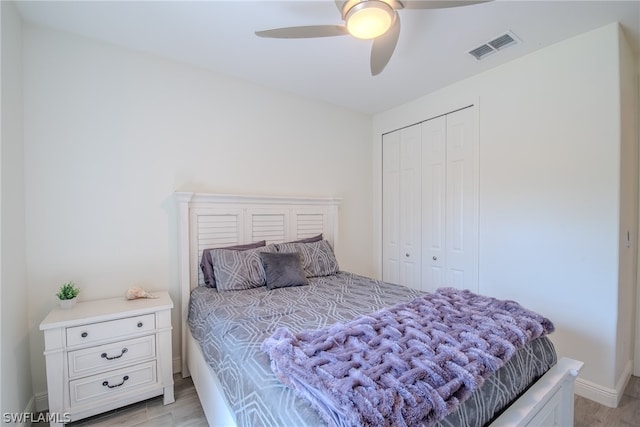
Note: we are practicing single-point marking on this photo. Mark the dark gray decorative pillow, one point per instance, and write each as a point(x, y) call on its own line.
point(309, 239)
point(283, 270)
point(206, 264)
point(318, 258)
point(239, 270)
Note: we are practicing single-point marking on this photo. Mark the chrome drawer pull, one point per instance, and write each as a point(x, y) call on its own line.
point(106, 383)
point(104, 355)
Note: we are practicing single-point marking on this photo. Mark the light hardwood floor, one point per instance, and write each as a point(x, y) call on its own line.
point(590, 414)
point(186, 411)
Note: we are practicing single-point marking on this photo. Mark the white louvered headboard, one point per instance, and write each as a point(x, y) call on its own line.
point(218, 220)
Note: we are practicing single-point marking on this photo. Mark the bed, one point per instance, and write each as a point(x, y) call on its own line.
point(541, 395)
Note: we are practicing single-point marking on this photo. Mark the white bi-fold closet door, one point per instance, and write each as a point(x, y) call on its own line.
point(430, 231)
point(401, 207)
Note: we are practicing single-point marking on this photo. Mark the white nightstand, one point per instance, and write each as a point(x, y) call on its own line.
point(108, 353)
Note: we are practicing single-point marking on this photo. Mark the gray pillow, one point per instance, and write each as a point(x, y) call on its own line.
point(309, 239)
point(206, 264)
point(239, 270)
point(317, 258)
point(283, 270)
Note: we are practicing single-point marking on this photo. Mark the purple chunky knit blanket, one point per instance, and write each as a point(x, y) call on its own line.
point(409, 364)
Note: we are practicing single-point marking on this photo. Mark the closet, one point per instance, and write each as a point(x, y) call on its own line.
point(430, 203)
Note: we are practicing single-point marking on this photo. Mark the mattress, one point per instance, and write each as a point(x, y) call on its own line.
point(231, 327)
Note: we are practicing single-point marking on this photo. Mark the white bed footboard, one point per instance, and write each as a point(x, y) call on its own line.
point(547, 403)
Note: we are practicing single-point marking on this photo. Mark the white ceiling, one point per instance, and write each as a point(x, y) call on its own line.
point(431, 52)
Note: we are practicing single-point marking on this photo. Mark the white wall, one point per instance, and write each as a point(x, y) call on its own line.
point(636, 364)
point(111, 133)
point(628, 210)
point(549, 128)
point(15, 372)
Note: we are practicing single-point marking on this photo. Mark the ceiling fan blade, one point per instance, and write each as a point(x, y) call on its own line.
point(311, 31)
point(428, 4)
point(383, 47)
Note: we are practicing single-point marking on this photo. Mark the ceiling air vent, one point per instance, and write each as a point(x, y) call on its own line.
point(482, 51)
point(502, 41)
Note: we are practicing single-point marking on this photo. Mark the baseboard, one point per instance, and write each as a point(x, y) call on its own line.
point(24, 418)
point(42, 401)
point(30, 409)
point(604, 395)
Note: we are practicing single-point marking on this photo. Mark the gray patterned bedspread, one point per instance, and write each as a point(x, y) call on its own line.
point(231, 326)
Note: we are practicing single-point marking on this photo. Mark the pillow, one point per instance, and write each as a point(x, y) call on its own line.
point(309, 239)
point(207, 266)
point(283, 270)
point(318, 258)
point(239, 270)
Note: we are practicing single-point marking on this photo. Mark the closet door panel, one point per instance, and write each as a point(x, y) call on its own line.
point(391, 207)
point(430, 203)
point(410, 206)
point(461, 210)
point(434, 142)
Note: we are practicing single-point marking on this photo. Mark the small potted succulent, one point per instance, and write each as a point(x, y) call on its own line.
point(68, 295)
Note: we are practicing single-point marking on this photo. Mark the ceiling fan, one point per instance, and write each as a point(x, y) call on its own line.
point(366, 19)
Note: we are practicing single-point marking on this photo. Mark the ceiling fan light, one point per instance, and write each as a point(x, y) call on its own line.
point(369, 19)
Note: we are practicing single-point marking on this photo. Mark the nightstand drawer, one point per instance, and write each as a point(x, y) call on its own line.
point(113, 384)
point(111, 356)
point(111, 329)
